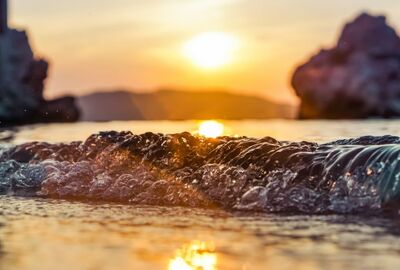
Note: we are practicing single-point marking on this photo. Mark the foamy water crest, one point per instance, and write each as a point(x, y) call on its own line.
point(244, 174)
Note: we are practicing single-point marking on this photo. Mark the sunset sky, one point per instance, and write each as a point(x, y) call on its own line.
point(139, 44)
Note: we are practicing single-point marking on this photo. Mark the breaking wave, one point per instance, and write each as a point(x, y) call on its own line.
point(247, 174)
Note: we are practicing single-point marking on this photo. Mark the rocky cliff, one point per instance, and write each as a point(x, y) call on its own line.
point(22, 79)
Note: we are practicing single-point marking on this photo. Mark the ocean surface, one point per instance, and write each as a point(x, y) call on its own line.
point(44, 224)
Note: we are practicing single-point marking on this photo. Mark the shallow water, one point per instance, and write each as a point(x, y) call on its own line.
point(291, 130)
point(46, 234)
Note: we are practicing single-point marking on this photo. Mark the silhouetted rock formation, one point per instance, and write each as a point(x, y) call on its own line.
point(178, 105)
point(22, 82)
point(358, 78)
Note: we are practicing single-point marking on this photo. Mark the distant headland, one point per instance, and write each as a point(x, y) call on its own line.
point(178, 105)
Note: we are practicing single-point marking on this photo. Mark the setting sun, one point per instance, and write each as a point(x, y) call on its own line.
point(211, 50)
point(211, 129)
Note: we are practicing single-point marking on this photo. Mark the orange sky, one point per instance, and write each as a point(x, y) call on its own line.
point(137, 44)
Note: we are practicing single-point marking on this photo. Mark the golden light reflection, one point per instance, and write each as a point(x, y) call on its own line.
point(211, 50)
point(211, 129)
point(197, 255)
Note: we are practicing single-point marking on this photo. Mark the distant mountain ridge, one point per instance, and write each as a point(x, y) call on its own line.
point(178, 105)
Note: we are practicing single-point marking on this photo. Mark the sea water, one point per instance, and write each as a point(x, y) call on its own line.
point(54, 230)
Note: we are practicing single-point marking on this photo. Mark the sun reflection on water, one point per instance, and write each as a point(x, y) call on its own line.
point(211, 129)
point(197, 255)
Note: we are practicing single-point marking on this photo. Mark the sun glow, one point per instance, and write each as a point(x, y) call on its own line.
point(211, 129)
point(211, 50)
point(197, 255)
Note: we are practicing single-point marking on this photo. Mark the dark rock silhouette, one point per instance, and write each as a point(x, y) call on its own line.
point(358, 78)
point(22, 79)
point(178, 105)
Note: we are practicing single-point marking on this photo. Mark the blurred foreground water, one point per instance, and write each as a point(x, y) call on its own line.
point(57, 234)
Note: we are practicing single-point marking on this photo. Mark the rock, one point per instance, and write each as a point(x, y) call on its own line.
point(358, 78)
point(22, 83)
point(58, 110)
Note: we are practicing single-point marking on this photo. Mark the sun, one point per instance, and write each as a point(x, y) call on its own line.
point(211, 50)
point(211, 129)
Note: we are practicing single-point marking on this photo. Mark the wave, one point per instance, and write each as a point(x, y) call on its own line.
point(246, 174)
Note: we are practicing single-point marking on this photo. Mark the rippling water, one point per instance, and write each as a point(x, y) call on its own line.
point(40, 233)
